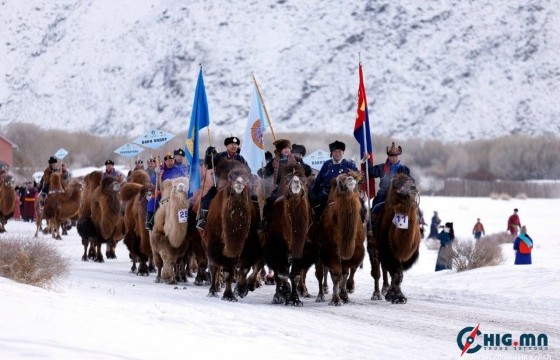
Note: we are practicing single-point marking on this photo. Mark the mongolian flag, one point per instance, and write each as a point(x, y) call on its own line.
point(362, 133)
point(199, 120)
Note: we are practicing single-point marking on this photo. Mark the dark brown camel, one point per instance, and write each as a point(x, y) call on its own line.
point(396, 237)
point(85, 226)
point(136, 194)
point(287, 234)
point(231, 239)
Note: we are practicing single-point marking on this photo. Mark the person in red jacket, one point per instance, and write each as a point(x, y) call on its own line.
point(478, 229)
point(514, 223)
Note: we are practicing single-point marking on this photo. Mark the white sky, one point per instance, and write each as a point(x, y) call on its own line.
point(102, 311)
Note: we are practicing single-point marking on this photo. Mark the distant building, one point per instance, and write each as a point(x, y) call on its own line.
point(6, 153)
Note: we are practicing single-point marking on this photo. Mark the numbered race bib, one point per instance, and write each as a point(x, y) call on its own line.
point(401, 221)
point(183, 215)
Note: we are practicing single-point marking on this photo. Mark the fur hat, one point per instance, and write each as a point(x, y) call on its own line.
point(281, 144)
point(109, 162)
point(232, 140)
point(298, 149)
point(394, 150)
point(179, 152)
point(52, 160)
point(449, 225)
point(337, 145)
point(168, 156)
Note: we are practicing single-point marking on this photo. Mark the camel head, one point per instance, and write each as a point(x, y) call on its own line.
point(346, 183)
point(404, 185)
point(8, 181)
point(238, 180)
point(180, 184)
point(110, 184)
point(293, 176)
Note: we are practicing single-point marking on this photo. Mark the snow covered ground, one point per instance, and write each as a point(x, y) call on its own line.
point(102, 311)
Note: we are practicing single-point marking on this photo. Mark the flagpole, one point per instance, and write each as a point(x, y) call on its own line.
point(265, 110)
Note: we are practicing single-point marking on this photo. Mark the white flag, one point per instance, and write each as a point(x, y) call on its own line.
point(252, 148)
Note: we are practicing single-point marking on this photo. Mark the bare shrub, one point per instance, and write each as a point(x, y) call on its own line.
point(468, 254)
point(505, 196)
point(494, 196)
point(32, 262)
point(521, 196)
point(501, 238)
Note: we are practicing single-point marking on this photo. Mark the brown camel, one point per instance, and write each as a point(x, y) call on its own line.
point(7, 199)
point(396, 237)
point(231, 239)
point(61, 204)
point(106, 217)
point(342, 235)
point(286, 235)
point(136, 194)
point(85, 226)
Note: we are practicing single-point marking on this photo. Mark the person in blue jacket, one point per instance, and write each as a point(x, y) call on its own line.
point(166, 171)
point(523, 246)
point(179, 156)
point(445, 254)
point(331, 169)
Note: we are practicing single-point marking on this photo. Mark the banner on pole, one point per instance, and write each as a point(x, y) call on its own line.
point(317, 158)
point(61, 153)
point(153, 138)
point(129, 150)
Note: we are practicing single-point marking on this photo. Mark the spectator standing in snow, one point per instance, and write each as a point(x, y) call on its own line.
point(514, 223)
point(478, 229)
point(523, 246)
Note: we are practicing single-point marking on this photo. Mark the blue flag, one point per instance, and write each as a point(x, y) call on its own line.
point(199, 120)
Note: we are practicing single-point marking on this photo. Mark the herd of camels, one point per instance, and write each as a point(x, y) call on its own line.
point(234, 247)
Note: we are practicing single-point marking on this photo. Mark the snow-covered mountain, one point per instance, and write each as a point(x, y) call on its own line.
point(449, 69)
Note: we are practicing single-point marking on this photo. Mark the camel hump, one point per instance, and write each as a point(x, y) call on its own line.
point(129, 190)
point(140, 177)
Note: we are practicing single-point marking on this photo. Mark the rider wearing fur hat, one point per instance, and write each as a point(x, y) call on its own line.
point(330, 170)
point(386, 171)
point(232, 144)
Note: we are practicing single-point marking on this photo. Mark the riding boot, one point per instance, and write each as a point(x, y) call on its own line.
point(201, 223)
point(149, 220)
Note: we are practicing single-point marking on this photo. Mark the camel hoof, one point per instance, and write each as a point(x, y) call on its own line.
point(335, 302)
point(399, 300)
